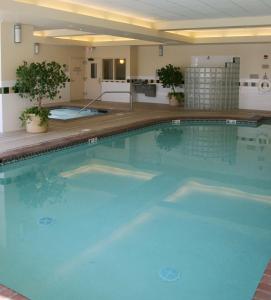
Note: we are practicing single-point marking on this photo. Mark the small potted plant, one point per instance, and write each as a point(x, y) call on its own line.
point(35, 82)
point(172, 77)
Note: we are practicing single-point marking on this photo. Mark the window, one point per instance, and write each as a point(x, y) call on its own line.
point(114, 69)
point(93, 70)
point(120, 69)
point(108, 69)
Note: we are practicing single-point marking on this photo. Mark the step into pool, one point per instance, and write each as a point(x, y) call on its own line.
point(165, 212)
point(70, 113)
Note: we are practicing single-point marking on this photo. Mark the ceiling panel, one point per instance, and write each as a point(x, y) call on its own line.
point(228, 8)
point(168, 10)
point(257, 7)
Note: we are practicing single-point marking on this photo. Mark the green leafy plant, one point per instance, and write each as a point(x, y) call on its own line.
point(171, 77)
point(38, 81)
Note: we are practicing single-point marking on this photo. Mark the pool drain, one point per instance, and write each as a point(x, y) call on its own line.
point(45, 221)
point(169, 274)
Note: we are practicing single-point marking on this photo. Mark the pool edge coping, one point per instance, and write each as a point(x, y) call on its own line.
point(10, 294)
point(76, 139)
point(108, 111)
point(263, 291)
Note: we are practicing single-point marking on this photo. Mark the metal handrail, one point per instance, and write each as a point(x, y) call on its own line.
point(110, 92)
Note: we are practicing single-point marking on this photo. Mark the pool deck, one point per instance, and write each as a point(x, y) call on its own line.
point(263, 291)
point(15, 145)
point(8, 294)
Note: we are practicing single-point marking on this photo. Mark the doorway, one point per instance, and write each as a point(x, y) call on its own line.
point(94, 78)
point(77, 71)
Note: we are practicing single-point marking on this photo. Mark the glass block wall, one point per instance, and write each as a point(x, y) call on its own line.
point(213, 88)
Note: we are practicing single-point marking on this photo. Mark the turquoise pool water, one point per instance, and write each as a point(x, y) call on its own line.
point(68, 113)
point(167, 212)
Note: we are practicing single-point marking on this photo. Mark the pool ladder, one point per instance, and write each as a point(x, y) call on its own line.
point(110, 92)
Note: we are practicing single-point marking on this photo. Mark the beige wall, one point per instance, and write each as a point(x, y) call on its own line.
point(60, 54)
point(251, 56)
point(134, 61)
point(14, 54)
point(70, 56)
point(0, 52)
point(144, 60)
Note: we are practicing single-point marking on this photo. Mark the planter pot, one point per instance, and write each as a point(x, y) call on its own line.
point(173, 101)
point(33, 125)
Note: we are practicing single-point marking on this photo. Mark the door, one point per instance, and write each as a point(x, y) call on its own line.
point(94, 78)
point(77, 71)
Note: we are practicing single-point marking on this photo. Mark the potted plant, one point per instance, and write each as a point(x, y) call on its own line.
point(38, 81)
point(172, 77)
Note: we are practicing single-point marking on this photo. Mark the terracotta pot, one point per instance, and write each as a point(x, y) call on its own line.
point(33, 124)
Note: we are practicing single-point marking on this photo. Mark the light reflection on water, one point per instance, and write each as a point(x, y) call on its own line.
point(189, 197)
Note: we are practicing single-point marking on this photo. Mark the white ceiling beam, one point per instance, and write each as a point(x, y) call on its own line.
point(66, 42)
point(60, 33)
point(214, 23)
point(76, 21)
point(124, 43)
point(60, 42)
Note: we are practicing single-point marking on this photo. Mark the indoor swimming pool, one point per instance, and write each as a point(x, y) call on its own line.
point(165, 212)
point(69, 113)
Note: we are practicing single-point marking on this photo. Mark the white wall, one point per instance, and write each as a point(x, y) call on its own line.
point(252, 98)
point(116, 87)
point(12, 106)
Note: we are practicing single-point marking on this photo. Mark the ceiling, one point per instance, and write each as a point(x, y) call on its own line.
point(168, 10)
point(141, 22)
